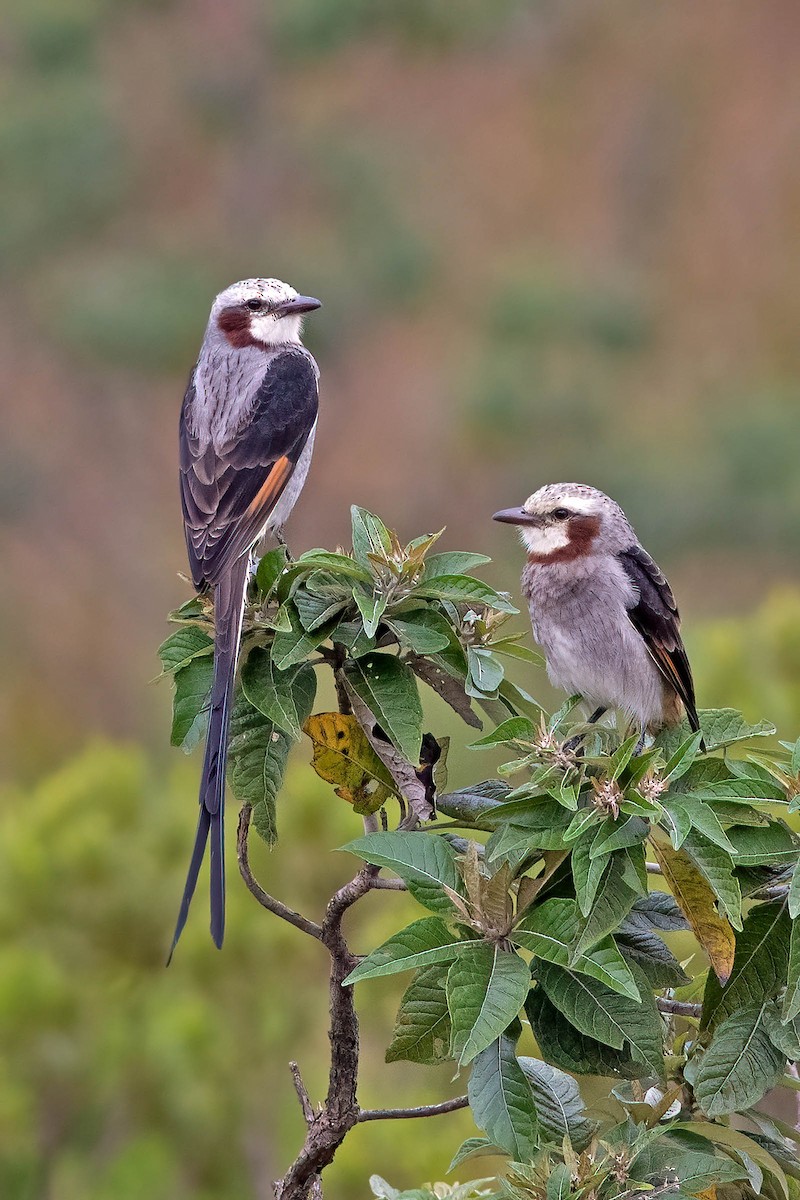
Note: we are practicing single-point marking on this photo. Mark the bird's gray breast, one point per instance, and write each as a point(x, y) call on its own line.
point(226, 383)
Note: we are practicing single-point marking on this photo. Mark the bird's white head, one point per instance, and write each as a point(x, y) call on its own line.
point(563, 521)
point(260, 312)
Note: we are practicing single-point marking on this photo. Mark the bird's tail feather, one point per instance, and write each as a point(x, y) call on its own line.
point(229, 598)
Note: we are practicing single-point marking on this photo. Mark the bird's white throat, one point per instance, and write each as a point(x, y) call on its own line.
point(544, 539)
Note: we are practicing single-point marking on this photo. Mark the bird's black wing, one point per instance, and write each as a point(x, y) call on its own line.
point(655, 615)
point(228, 493)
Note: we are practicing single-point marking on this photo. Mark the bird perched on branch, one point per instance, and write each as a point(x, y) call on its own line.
point(246, 436)
point(601, 608)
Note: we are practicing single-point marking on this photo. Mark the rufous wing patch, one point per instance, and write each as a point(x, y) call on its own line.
point(272, 486)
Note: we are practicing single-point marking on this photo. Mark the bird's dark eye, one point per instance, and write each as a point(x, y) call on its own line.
point(561, 514)
point(254, 305)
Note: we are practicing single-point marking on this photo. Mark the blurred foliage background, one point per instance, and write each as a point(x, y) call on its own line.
point(554, 241)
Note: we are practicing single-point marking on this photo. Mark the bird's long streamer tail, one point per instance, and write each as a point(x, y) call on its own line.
point(229, 597)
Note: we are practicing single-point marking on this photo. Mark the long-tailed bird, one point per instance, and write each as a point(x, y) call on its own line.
point(246, 436)
point(601, 608)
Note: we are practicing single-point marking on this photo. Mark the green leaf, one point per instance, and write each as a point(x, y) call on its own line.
point(424, 631)
point(682, 758)
point(418, 945)
point(759, 966)
point(372, 606)
point(566, 1047)
point(335, 564)
point(511, 648)
point(559, 1184)
point(607, 1016)
point(370, 536)
point(190, 703)
point(473, 1147)
point(425, 862)
point(740, 1065)
point(738, 1144)
point(389, 690)
point(452, 562)
point(717, 867)
point(653, 958)
point(269, 570)
point(502, 1102)
point(463, 589)
point(280, 695)
point(773, 844)
point(794, 893)
point(612, 904)
point(559, 1104)
point(658, 910)
point(476, 803)
point(315, 611)
point(617, 835)
point(290, 648)
point(720, 727)
point(791, 1001)
point(486, 988)
point(741, 789)
point(785, 1035)
point(422, 1030)
point(550, 930)
point(512, 730)
point(182, 647)
point(257, 755)
point(684, 813)
point(485, 672)
point(586, 871)
point(693, 1171)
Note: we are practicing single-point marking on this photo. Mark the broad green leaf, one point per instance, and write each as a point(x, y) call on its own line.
point(654, 959)
point(426, 863)
point(550, 930)
point(559, 1184)
point(485, 672)
point(370, 536)
point(511, 730)
point(269, 570)
point(476, 803)
point(607, 1016)
point(389, 690)
point(720, 726)
point(559, 1104)
point(617, 835)
point(257, 754)
point(785, 1035)
point(351, 635)
point(794, 893)
point(791, 1001)
point(422, 1029)
point(612, 904)
point(316, 611)
point(290, 648)
point(182, 647)
point(511, 648)
point(697, 902)
point(335, 564)
point(692, 1172)
point(418, 945)
point(566, 1047)
point(474, 1147)
point(423, 630)
point(739, 789)
point(586, 871)
point(682, 757)
point(280, 695)
point(658, 910)
point(190, 702)
point(773, 844)
point(463, 589)
point(759, 966)
point(717, 867)
point(344, 757)
point(738, 1143)
point(452, 562)
point(740, 1065)
point(372, 606)
point(684, 813)
point(502, 1102)
point(486, 988)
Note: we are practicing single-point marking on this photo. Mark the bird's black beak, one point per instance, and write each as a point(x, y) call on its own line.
point(300, 304)
point(517, 516)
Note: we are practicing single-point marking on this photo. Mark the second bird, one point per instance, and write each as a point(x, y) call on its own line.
point(246, 435)
point(601, 608)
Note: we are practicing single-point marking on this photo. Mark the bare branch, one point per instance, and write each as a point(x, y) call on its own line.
point(678, 1008)
point(401, 1114)
point(302, 1093)
point(254, 887)
point(389, 885)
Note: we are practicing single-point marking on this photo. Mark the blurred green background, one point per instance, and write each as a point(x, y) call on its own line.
point(555, 240)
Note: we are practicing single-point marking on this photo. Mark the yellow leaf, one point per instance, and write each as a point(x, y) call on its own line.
point(344, 758)
point(709, 1193)
point(696, 900)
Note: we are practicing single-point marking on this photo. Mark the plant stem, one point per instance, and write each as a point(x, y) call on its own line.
point(424, 1110)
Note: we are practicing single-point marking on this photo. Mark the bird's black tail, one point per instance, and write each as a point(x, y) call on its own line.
point(229, 596)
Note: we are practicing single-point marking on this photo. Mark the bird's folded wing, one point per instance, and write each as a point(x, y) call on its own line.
point(655, 616)
point(228, 492)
